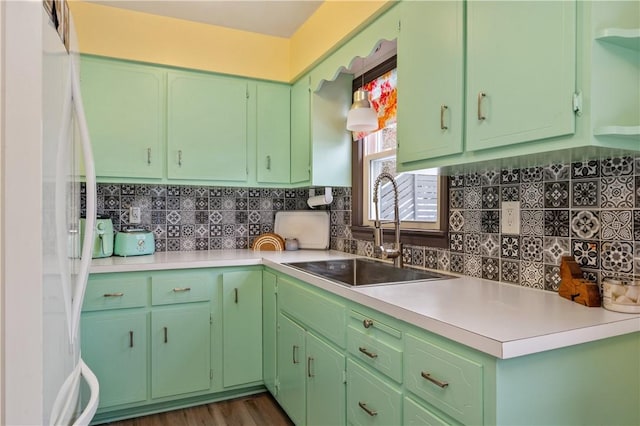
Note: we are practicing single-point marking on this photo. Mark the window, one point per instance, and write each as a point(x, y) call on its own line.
point(422, 194)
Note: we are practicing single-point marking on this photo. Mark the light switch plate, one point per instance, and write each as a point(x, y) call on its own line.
point(134, 215)
point(510, 220)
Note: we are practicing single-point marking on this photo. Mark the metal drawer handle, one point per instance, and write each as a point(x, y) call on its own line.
point(179, 158)
point(434, 381)
point(268, 162)
point(367, 353)
point(181, 289)
point(442, 110)
point(165, 335)
point(130, 339)
point(367, 323)
point(293, 355)
point(309, 362)
point(481, 116)
point(235, 295)
point(113, 294)
point(148, 155)
point(368, 410)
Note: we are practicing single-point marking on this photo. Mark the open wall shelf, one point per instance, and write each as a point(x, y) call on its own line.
point(628, 38)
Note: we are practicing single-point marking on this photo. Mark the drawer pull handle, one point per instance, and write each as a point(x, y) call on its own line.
point(481, 96)
point(149, 156)
point(367, 323)
point(309, 362)
point(130, 339)
point(235, 295)
point(434, 381)
point(442, 110)
point(367, 353)
point(268, 162)
point(113, 294)
point(165, 335)
point(293, 354)
point(180, 158)
point(181, 289)
point(368, 410)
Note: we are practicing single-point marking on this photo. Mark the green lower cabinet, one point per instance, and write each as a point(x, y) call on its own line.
point(415, 414)
point(325, 383)
point(180, 349)
point(269, 327)
point(291, 369)
point(242, 327)
point(114, 346)
point(371, 400)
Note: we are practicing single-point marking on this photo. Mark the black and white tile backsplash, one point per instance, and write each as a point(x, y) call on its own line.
point(198, 217)
point(590, 210)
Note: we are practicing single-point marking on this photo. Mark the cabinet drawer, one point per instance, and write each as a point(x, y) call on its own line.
point(415, 414)
point(115, 291)
point(444, 379)
point(375, 353)
point(180, 288)
point(316, 311)
point(371, 400)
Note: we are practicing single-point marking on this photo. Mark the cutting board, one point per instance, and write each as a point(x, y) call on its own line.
point(310, 227)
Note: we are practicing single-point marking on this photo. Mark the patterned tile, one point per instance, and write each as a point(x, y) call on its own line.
point(637, 196)
point(472, 220)
point(617, 225)
point(531, 174)
point(556, 171)
point(473, 265)
point(552, 277)
point(457, 263)
point(585, 193)
point(490, 269)
point(406, 255)
point(490, 221)
point(456, 221)
point(472, 180)
point(585, 224)
point(456, 242)
point(554, 248)
point(531, 248)
point(532, 195)
point(431, 259)
point(489, 245)
point(456, 181)
point(444, 260)
point(510, 247)
point(532, 274)
point(472, 243)
point(490, 197)
point(636, 226)
point(490, 177)
point(586, 253)
point(508, 176)
point(585, 169)
point(556, 223)
point(510, 271)
point(510, 193)
point(556, 195)
point(472, 197)
point(417, 256)
point(531, 222)
point(619, 166)
point(616, 192)
point(456, 198)
point(617, 257)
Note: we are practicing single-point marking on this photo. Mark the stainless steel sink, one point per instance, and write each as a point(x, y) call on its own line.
point(361, 272)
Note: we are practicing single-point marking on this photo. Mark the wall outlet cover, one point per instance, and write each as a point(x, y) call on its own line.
point(510, 219)
point(134, 215)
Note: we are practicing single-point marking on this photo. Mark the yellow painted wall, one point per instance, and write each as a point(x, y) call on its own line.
point(125, 34)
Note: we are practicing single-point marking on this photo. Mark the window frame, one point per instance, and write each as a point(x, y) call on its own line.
point(438, 238)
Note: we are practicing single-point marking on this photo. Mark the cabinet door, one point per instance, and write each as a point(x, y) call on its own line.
point(125, 107)
point(521, 56)
point(242, 327)
point(273, 132)
point(326, 390)
point(371, 400)
point(415, 414)
point(269, 324)
point(181, 342)
point(114, 346)
point(301, 131)
point(430, 80)
point(207, 127)
point(291, 369)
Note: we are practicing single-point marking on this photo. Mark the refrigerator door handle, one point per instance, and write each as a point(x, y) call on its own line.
point(90, 175)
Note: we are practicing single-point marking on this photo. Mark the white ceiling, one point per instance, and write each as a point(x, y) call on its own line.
point(279, 18)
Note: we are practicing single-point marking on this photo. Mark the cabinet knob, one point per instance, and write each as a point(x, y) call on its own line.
point(367, 323)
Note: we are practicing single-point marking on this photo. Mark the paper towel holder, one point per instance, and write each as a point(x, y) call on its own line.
point(320, 200)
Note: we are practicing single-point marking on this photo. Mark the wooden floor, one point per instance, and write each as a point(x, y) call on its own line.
point(254, 410)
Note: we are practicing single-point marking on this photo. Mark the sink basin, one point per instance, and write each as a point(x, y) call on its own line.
point(361, 272)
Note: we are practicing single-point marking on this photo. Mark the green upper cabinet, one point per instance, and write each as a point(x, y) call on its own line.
point(301, 131)
point(124, 105)
point(207, 127)
point(273, 132)
point(430, 76)
point(242, 327)
point(521, 67)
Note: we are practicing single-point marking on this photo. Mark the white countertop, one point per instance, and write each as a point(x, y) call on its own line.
point(503, 320)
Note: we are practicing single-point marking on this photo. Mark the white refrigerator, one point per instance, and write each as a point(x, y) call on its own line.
point(65, 142)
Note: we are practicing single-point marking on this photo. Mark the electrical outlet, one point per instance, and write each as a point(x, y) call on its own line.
point(510, 219)
point(134, 215)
